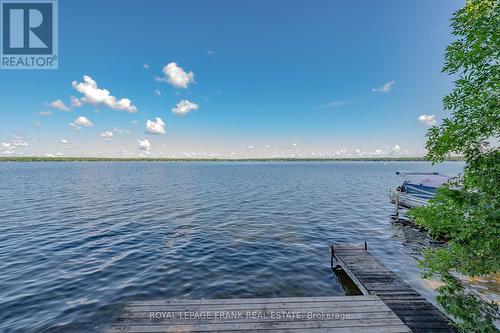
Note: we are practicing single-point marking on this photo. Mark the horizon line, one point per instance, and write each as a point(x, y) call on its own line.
point(187, 159)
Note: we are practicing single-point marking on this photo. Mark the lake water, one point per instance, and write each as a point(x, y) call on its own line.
point(78, 240)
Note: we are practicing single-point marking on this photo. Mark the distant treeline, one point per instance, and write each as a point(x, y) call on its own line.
point(108, 159)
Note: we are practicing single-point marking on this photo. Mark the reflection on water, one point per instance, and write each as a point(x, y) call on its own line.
point(350, 288)
point(488, 286)
point(78, 240)
point(415, 240)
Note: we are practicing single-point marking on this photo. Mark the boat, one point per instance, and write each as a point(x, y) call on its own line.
point(417, 188)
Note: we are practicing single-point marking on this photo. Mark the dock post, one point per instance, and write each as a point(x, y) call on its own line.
point(331, 259)
point(396, 206)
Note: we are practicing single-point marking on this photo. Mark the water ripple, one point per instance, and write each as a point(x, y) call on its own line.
point(78, 240)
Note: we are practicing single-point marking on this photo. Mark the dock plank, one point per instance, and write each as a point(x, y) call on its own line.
point(254, 300)
point(348, 314)
point(145, 317)
point(373, 278)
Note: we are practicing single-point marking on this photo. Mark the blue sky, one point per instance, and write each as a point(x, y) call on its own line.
point(259, 78)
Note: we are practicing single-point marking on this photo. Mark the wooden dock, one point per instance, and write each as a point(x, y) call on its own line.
point(373, 278)
point(338, 314)
point(388, 305)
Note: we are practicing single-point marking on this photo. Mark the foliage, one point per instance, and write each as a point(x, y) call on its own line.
point(474, 102)
point(466, 211)
point(475, 314)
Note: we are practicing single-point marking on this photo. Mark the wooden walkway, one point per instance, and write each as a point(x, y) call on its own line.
point(373, 278)
point(388, 305)
point(341, 314)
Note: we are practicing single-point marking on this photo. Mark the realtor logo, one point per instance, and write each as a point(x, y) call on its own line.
point(29, 34)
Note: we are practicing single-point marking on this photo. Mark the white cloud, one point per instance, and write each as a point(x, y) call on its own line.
point(36, 124)
point(16, 143)
point(429, 120)
point(155, 127)
point(74, 126)
point(118, 130)
point(176, 76)
point(75, 102)
point(396, 148)
point(95, 96)
point(19, 143)
point(210, 52)
point(83, 121)
point(184, 107)
point(144, 144)
point(157, 92)
point(64, 141)
point(107, 134)
point(331, 105)
point(44, 113)
point(385, 88)
point(341, 152)
point(146, 66)
point(58, 105)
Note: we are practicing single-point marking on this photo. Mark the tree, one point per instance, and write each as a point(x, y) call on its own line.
point(466, 211)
